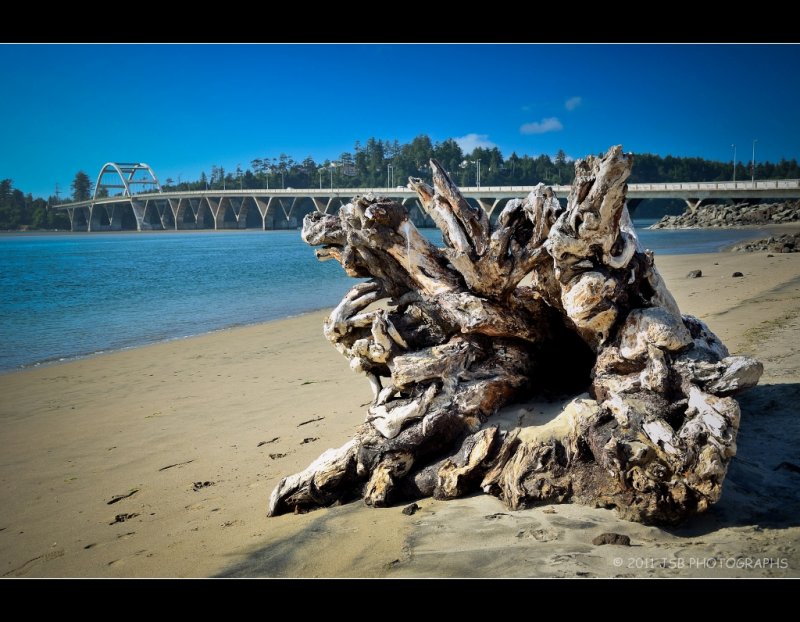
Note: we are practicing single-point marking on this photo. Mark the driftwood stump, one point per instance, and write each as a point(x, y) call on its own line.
point(454, 336)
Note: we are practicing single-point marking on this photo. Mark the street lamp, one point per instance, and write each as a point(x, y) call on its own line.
point(320, 177)
point(477, 164)
point(389, 176)
point(239, 168)
point(282, 184)
point(753, 165)
point(734, 163)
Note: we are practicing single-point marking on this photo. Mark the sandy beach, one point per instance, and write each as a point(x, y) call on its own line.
point(158, 461)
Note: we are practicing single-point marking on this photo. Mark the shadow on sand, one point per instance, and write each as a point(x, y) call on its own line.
point(758, 492)
point(761, 488)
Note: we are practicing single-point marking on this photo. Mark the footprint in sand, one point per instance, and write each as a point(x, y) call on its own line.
point(46, 557)
point(118, 498)
point(121, 518)
point(572, 524)
point(540, 535)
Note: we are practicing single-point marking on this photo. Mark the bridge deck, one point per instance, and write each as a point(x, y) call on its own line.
point(230, 208)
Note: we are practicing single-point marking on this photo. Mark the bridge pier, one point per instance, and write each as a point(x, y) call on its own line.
point(244, 210)
point(138, 214)
point(318, 204)
point(219, 211)
point(291, 222)
point(165, 215)
point(203, 210)
point(114, 217)
point(213, 207)
point(330, 202)
point(239, 213)
point(78, 220)
point(104, 218)
point(152, 216)
point(693, 204)
point(173, 206)
point(263, 209)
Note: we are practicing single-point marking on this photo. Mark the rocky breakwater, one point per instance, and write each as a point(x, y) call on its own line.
point(787, 243)
point(715, 215)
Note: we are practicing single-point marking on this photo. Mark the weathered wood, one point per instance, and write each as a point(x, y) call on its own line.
point(458, 337)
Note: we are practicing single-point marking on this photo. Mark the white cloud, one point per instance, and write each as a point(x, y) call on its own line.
point(573, 102)
point(549, 124)
point(468, 142)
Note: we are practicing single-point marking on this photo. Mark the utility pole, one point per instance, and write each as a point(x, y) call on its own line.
point(478, 174)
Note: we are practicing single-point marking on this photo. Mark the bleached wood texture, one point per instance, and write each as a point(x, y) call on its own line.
point(459, 337)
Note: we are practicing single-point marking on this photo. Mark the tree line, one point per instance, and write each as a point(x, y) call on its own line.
point(381, 163)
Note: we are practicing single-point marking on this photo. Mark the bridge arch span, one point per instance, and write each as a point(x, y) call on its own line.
point(126, 172)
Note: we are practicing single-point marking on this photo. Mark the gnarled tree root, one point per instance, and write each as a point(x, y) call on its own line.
point(459, 337)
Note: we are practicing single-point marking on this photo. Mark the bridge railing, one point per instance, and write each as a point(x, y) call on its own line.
point(685, 188)
point(765, 184)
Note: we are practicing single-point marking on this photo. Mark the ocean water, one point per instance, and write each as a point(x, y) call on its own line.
point(64, 296)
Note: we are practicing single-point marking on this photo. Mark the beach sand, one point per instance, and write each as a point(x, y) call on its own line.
point(202, 429)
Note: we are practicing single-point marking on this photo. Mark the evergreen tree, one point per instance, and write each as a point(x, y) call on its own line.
point(81, 187)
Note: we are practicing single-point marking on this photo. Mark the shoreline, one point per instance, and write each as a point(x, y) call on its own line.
point(770, 231)
point(782, 226)
point(49, 232)
point(58, 360)
point(195, 433)
point(51, 362)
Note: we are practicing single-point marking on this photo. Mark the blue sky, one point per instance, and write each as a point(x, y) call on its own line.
point(182, 108)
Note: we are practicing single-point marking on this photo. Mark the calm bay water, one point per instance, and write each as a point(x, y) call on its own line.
point(68, 295)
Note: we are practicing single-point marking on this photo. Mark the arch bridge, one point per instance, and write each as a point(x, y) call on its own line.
point(154, 209)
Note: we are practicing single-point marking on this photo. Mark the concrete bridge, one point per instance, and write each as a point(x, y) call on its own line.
point(285, 208)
